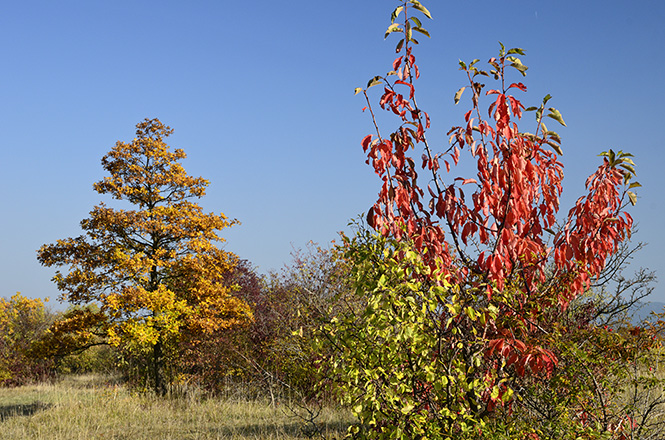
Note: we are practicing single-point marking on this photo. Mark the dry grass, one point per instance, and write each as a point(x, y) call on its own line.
point(90, 407)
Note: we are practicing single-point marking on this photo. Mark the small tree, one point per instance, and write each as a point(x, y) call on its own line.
point(154, 270)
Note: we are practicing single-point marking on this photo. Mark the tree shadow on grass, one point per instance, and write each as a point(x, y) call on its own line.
point(7, 411)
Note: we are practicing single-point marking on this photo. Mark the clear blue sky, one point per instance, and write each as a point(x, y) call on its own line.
point(260, 95)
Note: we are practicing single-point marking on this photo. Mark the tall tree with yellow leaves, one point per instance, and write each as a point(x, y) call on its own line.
point(154, 271)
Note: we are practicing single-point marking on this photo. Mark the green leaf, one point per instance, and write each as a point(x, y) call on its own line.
point(407, 408)
point(556, 147)
point(421, 30)
point(555, 136)
point(396, 13)
point(556, 115)
point(416, 21)
point(422, 9)
point(630, 168)
point(358, 90)
point(539, 113)
point(458, 95)
point(507, 395)
point(517, 64)
point(392, 28)
point(374, 81)
point(399, 45)
point(610, 155)
point(530, 109)
point(462, 65)
point(516, 50)
point(546, 98)
point(521, 68)
point(634, 185)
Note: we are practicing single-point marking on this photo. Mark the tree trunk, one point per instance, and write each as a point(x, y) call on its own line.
point(157, 367)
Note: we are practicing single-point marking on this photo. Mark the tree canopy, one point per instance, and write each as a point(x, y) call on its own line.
point(154, 270)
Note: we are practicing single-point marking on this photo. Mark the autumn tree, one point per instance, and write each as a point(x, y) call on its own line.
point(465, 283)
point(153, 271)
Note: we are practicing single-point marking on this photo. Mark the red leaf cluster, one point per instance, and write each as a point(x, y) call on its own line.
point(491, 228)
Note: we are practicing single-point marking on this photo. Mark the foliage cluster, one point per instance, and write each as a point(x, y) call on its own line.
point(274, 352)
point(412, 358)
point(22, 322)
point(476, 319)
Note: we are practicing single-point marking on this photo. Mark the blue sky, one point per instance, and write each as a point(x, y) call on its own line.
point(260, 95)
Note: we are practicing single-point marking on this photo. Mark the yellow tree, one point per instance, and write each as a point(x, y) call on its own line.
point(152, 272)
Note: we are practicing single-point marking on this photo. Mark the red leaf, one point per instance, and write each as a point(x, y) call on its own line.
point(370, 218)
point(519, 85)
point(366, 141)
point(397, 63)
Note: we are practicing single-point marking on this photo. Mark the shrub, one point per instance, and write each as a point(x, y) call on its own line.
point(22, 322)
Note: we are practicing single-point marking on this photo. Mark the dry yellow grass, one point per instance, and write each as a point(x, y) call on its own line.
point(87, 408)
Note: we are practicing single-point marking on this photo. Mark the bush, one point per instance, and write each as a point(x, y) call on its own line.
point(273, 354)
point(23, 321)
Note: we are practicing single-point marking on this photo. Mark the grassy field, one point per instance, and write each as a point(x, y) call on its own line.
point(92, 407)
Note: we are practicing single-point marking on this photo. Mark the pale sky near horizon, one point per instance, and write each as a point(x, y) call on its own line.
point(260, 95)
